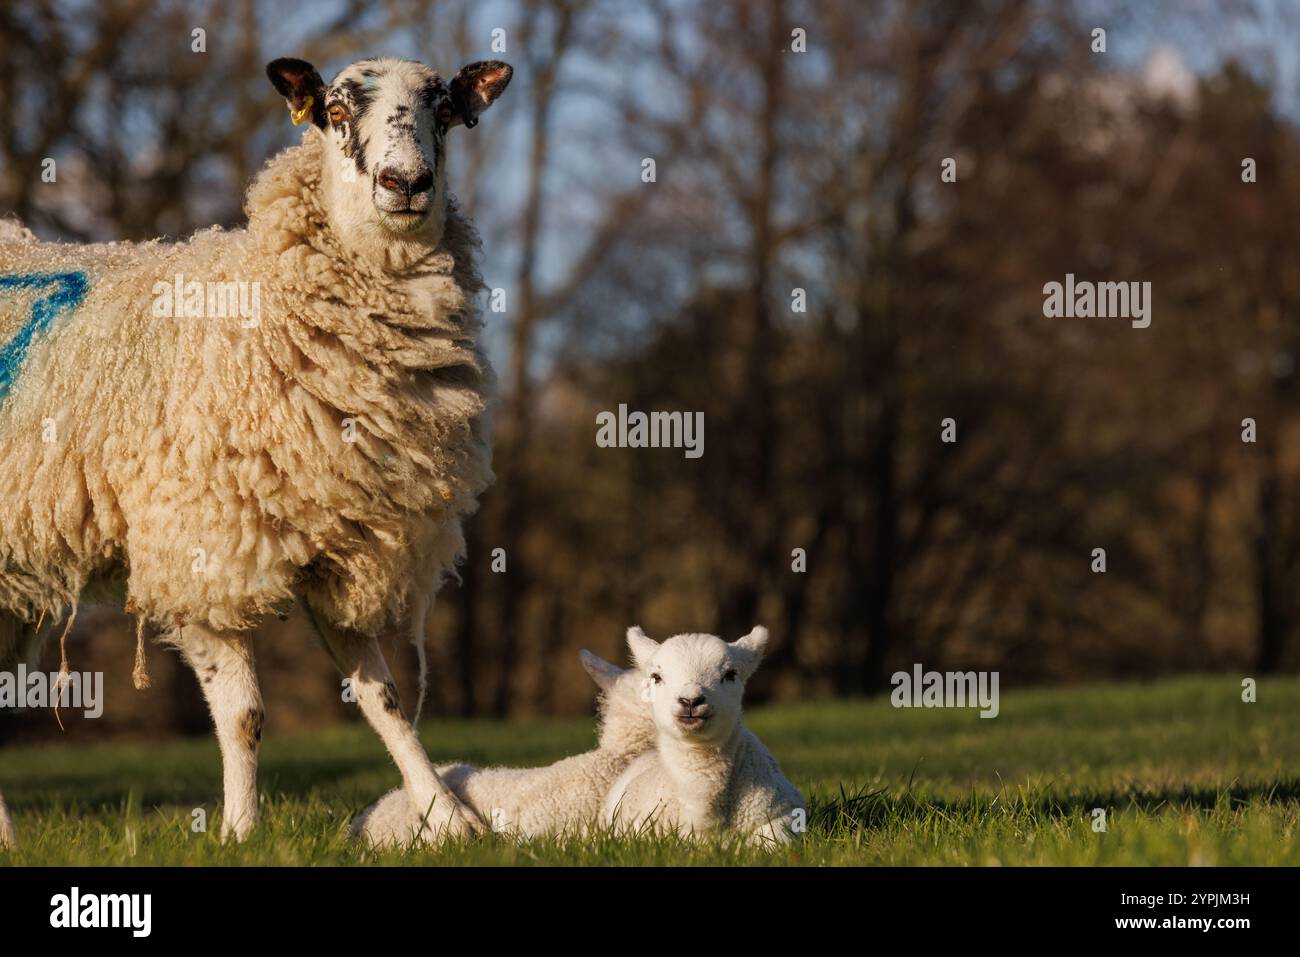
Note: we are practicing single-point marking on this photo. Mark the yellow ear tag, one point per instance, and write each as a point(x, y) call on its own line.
point(300, 116)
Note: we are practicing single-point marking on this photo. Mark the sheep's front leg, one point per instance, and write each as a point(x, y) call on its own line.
point(7, 836)
point(361, 659)
point(20, 643)
point(226, 671)
point(443, 815)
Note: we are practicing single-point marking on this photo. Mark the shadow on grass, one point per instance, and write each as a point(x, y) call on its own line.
point(194, 784)
point(877, 809)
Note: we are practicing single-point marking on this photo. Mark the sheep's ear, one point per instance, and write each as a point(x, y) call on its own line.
point(642, 646)
point(748, 651)
point(296, 80)
point(475, 88)
point(601, 671)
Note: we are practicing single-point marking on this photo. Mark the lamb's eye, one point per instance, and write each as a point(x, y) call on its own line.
point(657, 678)
point(730, 675)
point(337, 113)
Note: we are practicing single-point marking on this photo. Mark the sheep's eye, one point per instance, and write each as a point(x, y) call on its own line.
point(337, 113)
point(730, 675)
point(657, 678)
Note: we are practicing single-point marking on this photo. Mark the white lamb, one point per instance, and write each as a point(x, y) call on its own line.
point(561, 798)
point(206, 432)
point(709, 774)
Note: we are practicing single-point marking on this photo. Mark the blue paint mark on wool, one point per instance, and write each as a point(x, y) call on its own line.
point(70, 289)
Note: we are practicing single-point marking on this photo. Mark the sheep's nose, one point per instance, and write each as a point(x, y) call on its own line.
point(422, 182)
point(405, 184)
point(690, 704)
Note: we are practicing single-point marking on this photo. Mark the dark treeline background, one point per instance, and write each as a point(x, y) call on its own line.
point(778, 172)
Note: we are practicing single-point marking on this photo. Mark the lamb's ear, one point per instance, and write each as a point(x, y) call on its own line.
point(475, 88)
point(301, 86)
point(642, 646)
point(748, 651)
point(601, 671)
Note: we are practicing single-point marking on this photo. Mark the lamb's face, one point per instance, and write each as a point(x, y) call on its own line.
point(697, 681)
point(384, 125)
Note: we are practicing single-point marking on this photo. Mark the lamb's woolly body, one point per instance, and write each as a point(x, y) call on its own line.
point(564, 797)
point(174, 435)
point(697, 790)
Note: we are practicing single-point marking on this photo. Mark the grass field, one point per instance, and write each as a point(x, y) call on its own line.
point(1187, 772)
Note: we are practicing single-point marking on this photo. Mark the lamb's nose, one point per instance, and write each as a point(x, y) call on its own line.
point(408, 186)
point(690, 704)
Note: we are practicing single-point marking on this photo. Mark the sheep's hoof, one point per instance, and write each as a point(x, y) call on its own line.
point(453, 822)
point(238, 832)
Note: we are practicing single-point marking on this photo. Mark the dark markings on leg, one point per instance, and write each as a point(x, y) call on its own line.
point(250, 727)
point(388, 696)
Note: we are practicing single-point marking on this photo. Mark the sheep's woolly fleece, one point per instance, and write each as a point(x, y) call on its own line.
point(561, 798)
point(129, 441)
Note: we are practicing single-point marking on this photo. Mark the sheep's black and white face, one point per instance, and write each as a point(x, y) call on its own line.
point(384, 123)
point(697, 681)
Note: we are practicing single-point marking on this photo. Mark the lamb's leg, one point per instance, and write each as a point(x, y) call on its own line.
point(361, 659)
point(225, 668)
point(7, 836)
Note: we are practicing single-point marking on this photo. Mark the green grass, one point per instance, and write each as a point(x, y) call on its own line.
point(1187, 772)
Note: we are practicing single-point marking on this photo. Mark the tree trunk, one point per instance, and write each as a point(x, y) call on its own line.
point(880, 586)
point(1271, 625)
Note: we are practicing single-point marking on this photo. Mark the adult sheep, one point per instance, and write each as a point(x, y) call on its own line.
point(320, 445)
